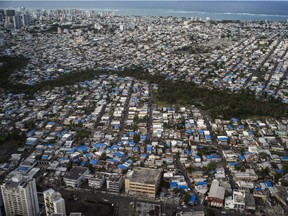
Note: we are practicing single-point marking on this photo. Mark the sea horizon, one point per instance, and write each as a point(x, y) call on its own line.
point(215, 10)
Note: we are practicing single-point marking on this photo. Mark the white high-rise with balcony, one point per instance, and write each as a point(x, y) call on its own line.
point(54, 203)
point(20, 196)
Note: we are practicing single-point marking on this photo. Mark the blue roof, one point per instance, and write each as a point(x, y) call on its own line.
point(208, 137)
point(268, 184)
point(230, 127)
point(121, 166)
point(83, 148)
point(223, 139)
point(192, 199)
point(232, 163)
point(44, 157)
point(98, 145)
point(202, 183)
point(111, 160)
point(200, 131)
point(143, 155)
point(23, 168)
point(258, 189)
point(93, 161)
point(183, 187)
point(131, 143)
point(118, 154)
point(173, 184)
point(149, 148)
point(241, 157)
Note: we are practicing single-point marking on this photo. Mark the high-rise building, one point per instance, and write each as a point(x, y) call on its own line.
point(54, 203)
point(26, 20)
point(17, 21)
point(20, 196)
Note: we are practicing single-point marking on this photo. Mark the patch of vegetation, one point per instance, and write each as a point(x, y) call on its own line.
point(216, 102)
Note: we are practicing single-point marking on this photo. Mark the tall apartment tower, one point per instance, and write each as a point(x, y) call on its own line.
point(20, 196)
point(54, 203)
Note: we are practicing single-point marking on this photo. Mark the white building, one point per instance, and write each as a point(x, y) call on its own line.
point(54, 203)
point(20, 196)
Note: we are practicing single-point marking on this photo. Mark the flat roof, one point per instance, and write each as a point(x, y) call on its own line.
point(76, 172)
point(145, 175)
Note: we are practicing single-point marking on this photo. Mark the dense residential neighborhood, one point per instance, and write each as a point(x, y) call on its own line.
point(109, 142)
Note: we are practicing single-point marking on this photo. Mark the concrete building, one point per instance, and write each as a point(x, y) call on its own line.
point(216, 194)
point(75, 177)
point(143, 181)
point(54, 203)
point(20, 196)
point(97, 180)
point(114, 183)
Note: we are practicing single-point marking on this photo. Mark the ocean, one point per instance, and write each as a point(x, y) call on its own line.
point(216, 10)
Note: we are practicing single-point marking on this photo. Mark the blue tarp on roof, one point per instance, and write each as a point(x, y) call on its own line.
point(115, 147)
point(118, 154)
point(136, 148)
point(200, 131)
point(258, 189)
point(131, 143)
point(230, 127)
point(173, 184)
point(251, 132)
point(268, 184)
point(232, 163)
point(44, 157)
point(121, 166)
point(51, 123)
point(83, 148)
point(234, 120)
point(279, 171)
point(212, 156)
point(189, 132)
point(83, 163)
point(208, 137)
point(202, 183)
point(188, 152)
point(149, 148)
point(197, 156)
point(241, 126)
point(111, 160)
point(99, 145)
point(143, 156)
point(182, 187)
point(143, 137)
point(223, 139)
point(131, 133)
point(31, 133)
point(192, 199)
point(88, 155)
point(93, 161)
point(21, 168)
point(241, 157)
point(284, 158)
point(51, 145)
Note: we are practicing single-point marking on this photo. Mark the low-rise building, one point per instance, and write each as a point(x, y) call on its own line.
point(143, 181)
point(75, 177)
